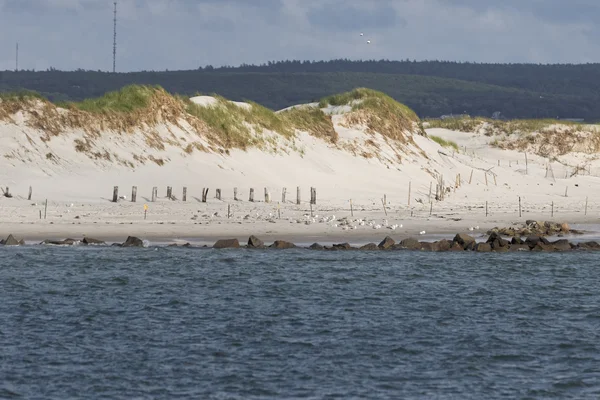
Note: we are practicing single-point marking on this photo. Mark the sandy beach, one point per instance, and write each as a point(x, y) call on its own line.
point(362, 168)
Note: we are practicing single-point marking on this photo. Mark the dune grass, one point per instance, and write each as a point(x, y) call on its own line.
point(312, 120)
point(495, 127)
point(21, 95)
point(444, 143)
point(129, 98)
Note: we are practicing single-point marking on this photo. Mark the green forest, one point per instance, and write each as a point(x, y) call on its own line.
point(430, 88)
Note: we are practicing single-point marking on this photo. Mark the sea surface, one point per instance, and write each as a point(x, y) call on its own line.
point(169, 323)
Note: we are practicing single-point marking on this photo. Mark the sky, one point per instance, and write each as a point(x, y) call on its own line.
point(186, 34)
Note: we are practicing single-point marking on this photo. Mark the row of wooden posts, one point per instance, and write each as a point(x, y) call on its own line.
point(218, 194)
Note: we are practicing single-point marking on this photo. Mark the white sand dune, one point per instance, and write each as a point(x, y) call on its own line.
point(363, 167)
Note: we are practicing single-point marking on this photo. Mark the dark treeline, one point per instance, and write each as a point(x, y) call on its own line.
point(431, 88)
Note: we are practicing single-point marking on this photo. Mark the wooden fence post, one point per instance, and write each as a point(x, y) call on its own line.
point(351, 208)
point(267, 196)
point(251, 197)
point(552, 213)
point(46, 209)
point(169, 192)
point(154, 190)
point(115, 194)
point(409, 189)
point(30, 193)
point(235, 194)
point(298, 195)
point(184, 196)
point(134, 194)
point(218, 194)
point(204, 194)
point(471, 177)
point(519, 206)
point(566, 189)
point(283, 193)
point(430, 184)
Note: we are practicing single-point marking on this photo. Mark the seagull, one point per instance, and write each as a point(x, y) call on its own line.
point(368, 42)
point(362, 34)
point(422, 233)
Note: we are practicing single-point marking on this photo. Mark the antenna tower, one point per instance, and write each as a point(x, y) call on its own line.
point(115, 41)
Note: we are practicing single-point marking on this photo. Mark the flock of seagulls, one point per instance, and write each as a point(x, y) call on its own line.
point(362, 35)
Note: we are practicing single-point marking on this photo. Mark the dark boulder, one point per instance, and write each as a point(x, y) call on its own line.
point(316, 246)
point(387, 243)
point(91, 241)
point(282, 244)
point(66, 242)
point(532, 241)
point(410, 244)
point(589, 246)
point(503, 249)
point(442, 245)
point(517, 240)
point(133, 241)
point(496, 241)
point(227, 244)
point(483, 247)
point(456, 247)
point(427, 246)
point(518, 247)
point(11, 241)
point(342, 246)
point(255, 243)
point(540, 246)
point(561, 245)
point(464, 240)
point(370, 247)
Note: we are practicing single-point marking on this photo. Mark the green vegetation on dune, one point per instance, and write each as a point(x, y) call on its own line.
point(495, 127)
point(129, 98)
point(21, 95)
point(444, 143)
point(312, 120)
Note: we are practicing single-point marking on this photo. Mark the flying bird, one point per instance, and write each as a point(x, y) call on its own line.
point(368, 42)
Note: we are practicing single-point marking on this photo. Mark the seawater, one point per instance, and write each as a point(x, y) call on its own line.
point(171, 323)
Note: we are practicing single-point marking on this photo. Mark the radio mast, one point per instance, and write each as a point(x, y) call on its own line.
point(115, 41)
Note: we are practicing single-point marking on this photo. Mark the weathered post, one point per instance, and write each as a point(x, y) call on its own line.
point(218, 194)
point(552, 212)
point(430, 208)
point(298, 195)
point(283, 193)
point(204, 194)
point(169, 192)
point(228, 211)
point(154, 192)
point(471, 177)
point(409, 189)
point(486, 208)
point(566, 189)
point(486, 179)
point(430, 184)
point(46, 209)
point(519, 206)
point(351, 208)
point(278, 211)
point(267, 196)
point(586, 204)
point(184, 195)
point(384, 209)
point(115, 194)
point(235, 194)
point(30, 193)
point(495, 183)
point(134, 194)
point(251, 197)
point(526, 165)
